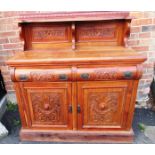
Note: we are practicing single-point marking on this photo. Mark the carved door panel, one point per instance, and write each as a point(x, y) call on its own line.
point(103, 105)
point(48, 104)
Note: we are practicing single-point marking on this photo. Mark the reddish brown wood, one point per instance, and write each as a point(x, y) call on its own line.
point(108, 56)
point(76, 81)
point(72, 16)
point(103, 105)
point(75, 35)
point(77, 136)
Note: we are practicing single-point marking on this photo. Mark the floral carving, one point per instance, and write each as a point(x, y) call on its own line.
point(49, 34)
point(47, 106)
point(42, 76)
point(97, 32)
point(105, 74)
point(102, 107)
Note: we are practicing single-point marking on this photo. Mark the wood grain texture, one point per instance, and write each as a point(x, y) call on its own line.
point(72, 16)
point(77, 136)
point(109, 56)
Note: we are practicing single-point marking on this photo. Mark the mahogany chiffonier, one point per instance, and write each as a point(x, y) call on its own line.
point(76, 81)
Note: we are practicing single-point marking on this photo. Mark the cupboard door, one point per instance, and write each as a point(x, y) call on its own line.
point(48, 104)
point(103, 105)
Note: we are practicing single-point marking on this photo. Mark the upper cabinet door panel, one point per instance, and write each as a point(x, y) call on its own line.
point(47, 35)
point(105, 32)
point(48, 104)
point(103, 104)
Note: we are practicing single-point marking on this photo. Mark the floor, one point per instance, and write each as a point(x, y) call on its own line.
point(144, 116)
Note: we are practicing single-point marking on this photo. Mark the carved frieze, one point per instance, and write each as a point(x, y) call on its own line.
point(97, 31)
point(49, 34)
point(106, 74)
point(42, 76)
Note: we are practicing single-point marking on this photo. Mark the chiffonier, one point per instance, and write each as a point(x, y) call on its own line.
point(76, 81)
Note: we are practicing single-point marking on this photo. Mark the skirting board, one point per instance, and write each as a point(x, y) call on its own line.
point(77, 136)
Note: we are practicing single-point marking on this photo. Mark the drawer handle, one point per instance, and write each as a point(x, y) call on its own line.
point(85, 76)
point(78, 108)
point(63, 77)
point(127, 74)
point(23, 77)
point(70, 108)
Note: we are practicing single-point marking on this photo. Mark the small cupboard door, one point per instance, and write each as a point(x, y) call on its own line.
point(48, 104)
point(103, 105)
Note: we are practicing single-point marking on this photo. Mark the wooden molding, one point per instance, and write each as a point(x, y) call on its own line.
point(72, 16)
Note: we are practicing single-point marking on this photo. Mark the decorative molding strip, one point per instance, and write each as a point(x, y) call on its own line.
point(72, 16)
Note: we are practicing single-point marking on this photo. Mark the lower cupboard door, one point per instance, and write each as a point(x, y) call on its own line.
point(48, 105)
point(103, 105)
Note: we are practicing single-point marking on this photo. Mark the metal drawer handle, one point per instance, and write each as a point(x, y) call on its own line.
point(128, 74)
point(23, 77)
point(85, 76)
point(63, 77)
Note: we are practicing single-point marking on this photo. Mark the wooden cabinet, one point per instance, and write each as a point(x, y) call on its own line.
point(76, 81)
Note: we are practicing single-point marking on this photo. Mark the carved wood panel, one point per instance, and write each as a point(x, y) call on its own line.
point(102, 107)
point(102, 104)
point(95, 31)
point(48, 104)
point(51, 33)
point(47, 107)
point(99, 31)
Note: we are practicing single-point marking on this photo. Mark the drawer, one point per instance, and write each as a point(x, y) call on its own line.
point(107, 73)
point(46, 75)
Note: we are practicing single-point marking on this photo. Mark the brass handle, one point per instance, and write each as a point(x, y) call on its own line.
point(78, 108)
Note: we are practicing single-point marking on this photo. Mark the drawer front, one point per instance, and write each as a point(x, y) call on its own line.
point(107, 73)
point(46, 75)
point(78, 74)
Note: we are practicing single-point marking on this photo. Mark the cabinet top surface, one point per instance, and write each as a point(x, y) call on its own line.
point(100, 56)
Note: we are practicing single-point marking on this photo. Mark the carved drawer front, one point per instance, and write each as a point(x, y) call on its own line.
point(103, 105)
point(107, 73)
point(27, 75)
point(48, 105)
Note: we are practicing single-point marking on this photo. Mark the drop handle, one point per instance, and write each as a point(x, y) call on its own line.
point(78, 108)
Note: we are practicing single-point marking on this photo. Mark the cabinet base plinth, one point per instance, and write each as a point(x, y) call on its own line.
point(77, 136)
